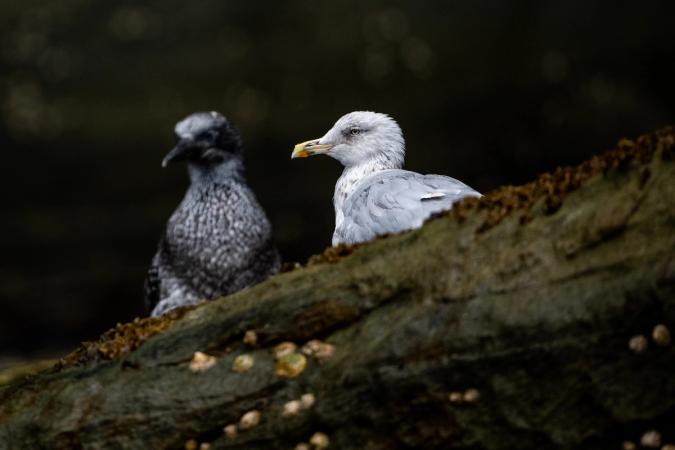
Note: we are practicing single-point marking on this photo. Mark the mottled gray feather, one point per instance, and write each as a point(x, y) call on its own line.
point(218, 240)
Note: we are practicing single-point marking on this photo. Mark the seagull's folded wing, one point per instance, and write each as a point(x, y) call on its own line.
point(392, 201)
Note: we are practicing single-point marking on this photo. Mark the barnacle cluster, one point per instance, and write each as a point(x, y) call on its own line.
point(468, 396)
point(321, 351)
point(194, 445)
point(660, 336)
point(293, 407)
point(247, 421)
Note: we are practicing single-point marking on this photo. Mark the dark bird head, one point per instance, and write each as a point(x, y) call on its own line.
point(205, 139)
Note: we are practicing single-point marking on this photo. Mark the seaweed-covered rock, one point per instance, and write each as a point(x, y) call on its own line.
point(509, 322)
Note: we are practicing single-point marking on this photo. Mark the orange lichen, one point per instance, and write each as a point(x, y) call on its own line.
point(553, 187)
point(122, 340)
point(333, 254)
point(290, 266)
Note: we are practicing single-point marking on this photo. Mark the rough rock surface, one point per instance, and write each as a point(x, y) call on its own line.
point(518, 307)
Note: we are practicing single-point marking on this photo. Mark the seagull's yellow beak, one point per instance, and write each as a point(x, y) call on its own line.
point(309, 148)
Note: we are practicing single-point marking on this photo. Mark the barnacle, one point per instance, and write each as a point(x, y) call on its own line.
point(250, 338)
point(291, 408)
point(230, 430)
point(291, 365)
point(456, 397)
point(319, 441)
point(661, 335)
point(249, 420)
point(307, 400)
point(201, 362)
point(638, 344)
point(284, 349)
point(311, 347)
point(471, 396)
point(322, 351)
point(242, 363)
point(651, 438)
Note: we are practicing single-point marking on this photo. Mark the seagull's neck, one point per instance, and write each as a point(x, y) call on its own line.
point(231, 169)
point(352, 176)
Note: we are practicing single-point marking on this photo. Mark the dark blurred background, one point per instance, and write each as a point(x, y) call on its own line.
point(489, 92)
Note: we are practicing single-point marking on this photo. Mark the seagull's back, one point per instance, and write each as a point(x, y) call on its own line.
point(395, 200)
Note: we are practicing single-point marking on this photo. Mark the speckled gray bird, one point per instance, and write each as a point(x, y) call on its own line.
point(218, 240)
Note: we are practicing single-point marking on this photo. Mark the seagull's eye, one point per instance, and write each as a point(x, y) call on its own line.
point(355, 131)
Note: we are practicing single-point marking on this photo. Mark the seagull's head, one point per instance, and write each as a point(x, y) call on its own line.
point(205, 138)
point(357, 138)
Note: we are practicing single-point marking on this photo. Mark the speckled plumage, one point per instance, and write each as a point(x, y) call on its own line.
point(374, 196)
point(218, 240)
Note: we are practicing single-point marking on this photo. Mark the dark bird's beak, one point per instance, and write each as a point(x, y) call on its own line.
point(310, 148)
point(180, 152)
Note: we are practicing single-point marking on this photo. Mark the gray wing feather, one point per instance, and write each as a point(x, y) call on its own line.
point(392, 201)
